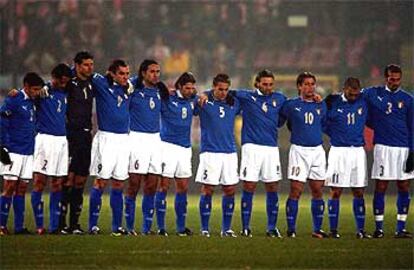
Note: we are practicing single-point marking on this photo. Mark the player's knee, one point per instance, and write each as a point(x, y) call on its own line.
point(181, 186)
point(79, 181)
point(164, 185)
point(271, 187)
point(336, 193)
point(117, 184)
point(99, 184)
point(359, 194)
point(403, 186)
point(8, 188)
point(249, 186)
point(229, 190)
point(381, 186)
point(56, 185)
point(21, 188)
point(207, 190)
point(39, 185)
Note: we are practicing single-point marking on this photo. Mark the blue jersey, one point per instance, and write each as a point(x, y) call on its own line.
point(176, 119)
point(217, 125)
point(112, 105)
point(260, 116)
point(392, 123)
point(18, 124)
point(51, 112)
point(306, 119)
point(345, 121)
point(145, 109)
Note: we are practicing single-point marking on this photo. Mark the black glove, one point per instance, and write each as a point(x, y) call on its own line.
point(4, 156)
point(409, 164)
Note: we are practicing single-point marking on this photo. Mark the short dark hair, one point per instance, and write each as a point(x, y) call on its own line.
point(352, 82)
point(221, 77)
point(265, 73)
point(144, 66)
point(61, 70)
point(80, 56)
point(393, 68)
point(114, 66)
point(304, 75)
point(33, 79)
point(186, 77)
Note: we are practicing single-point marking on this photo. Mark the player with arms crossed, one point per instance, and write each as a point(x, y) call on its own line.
point(347, 162)
point(110, 148)
point(394, 146)
point(305, 118)
point(176, 119)
point(218, 158)
point(51, 148)
point(17, 117)
point(144, 138)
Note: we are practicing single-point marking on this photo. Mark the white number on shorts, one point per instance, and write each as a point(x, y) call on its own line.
point(44, 165)
point(389, 108)
point(351, 118)
point(222, 112)
point(295, 171)
point(309, 118)
point(184, 113)
point(335, 178)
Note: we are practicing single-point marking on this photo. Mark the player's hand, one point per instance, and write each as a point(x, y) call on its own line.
point(130, 88)
point(202, 99)
point(44, 92)
point(13, 92)
point(409, 164)
point(317, 98)
point(4, 156)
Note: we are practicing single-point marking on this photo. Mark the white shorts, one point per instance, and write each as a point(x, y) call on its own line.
point(21, 167)
point(51, 155)
point(260, 163)
point(389, 163)
point(217, 169)
point(145, 153)
point(347, 167)
point(110, 155)
point(175, 160)
point(306, 162)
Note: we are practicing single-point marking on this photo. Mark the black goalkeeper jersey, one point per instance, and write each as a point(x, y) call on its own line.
point(79, 107)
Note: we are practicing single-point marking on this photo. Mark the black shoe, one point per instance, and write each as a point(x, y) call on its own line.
point(363, 235)
point(334, 234)
point(77, 230)
point(274, 233)
point(291, 234)
point(119, 232)
point(320, 234)
point(66, 231)
point(54, 232)
point(246, 233)
point(148, 233)
point(23, 231)
point(378, 234)
point(95, 230)
point(186, 232)
point(403, 234)
point(162, 232)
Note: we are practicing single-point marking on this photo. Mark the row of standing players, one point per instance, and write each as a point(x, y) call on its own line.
point(130, 143)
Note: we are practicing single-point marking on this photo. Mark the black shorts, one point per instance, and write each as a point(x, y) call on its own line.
point(80, 145)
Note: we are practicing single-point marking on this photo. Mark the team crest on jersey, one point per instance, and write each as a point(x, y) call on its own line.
point(318, 111)
point(400, 105)
point(119, 101)
point(360, 111)
point(264, 107)
point(274, 103)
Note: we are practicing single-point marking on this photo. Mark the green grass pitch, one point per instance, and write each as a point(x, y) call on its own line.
point(258, 252)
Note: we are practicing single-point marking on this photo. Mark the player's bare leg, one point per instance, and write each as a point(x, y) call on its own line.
point(205, 206)
point(227, 206)
point(317, 207)
point(272, 209)
point(249, 189)
point(180, 205)
point(39, 183)
point(134, 184)
point(296, 189)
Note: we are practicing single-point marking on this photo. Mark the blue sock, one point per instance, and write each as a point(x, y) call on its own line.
point(403, 204)
point(291, 214)
point(37, 205)
point(130, 212)
point(160, 209)
point(180, 206)
point(5, 203)
point(205, 211)
point(333, 213)
point(18, 207)
point(246, 208)
point(227, 206)
point(95, 203)
point(116, 202)
point(272, 209)
point(317, 207)
point(359, 213)
point(147, 212)
point(378, 206)
point(54, 210)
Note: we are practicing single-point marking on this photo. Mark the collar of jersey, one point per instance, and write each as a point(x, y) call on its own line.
point(179, 95)
point(389, 90)
point(344, 99)
point(24, 94)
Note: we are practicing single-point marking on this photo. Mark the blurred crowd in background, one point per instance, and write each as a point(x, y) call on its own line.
point(237, 37)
